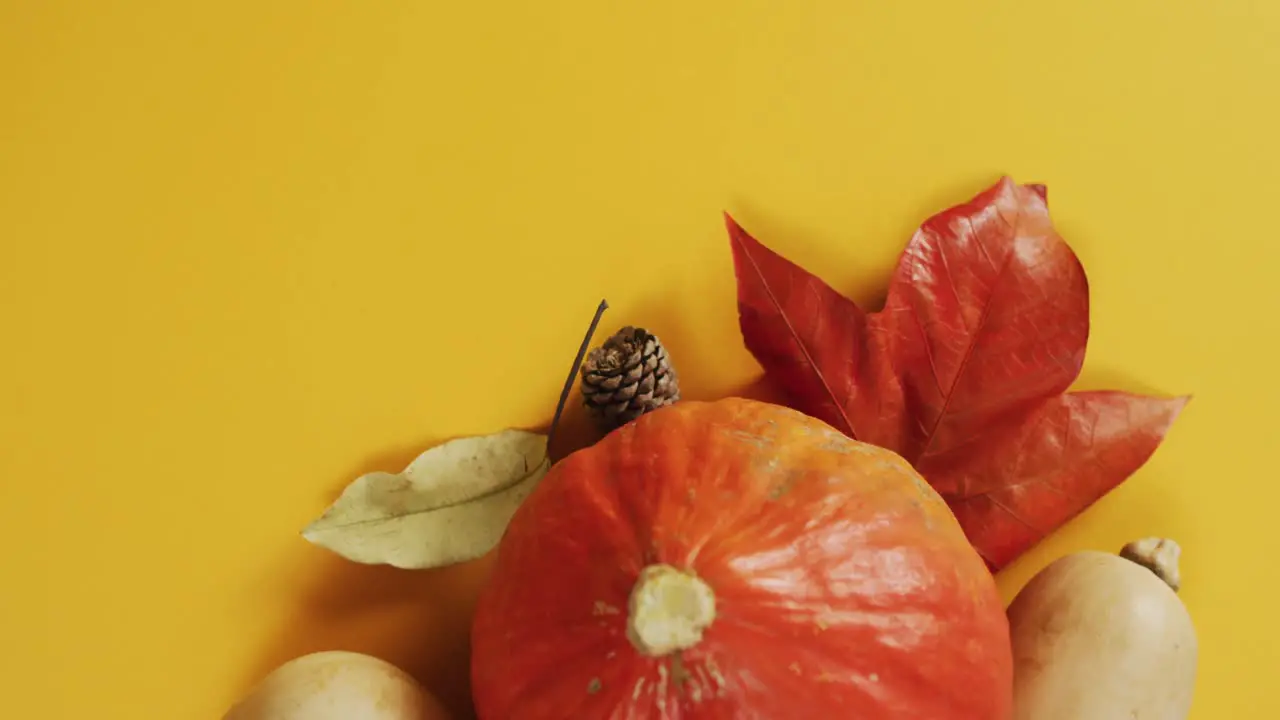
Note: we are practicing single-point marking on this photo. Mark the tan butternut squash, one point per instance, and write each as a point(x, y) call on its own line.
point(1098, 636)
point(337, 685)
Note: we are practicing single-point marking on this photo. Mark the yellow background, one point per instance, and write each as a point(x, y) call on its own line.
point(249, 250)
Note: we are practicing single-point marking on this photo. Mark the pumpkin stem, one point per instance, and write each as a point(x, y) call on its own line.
point(668, 611)
point(1159, 555)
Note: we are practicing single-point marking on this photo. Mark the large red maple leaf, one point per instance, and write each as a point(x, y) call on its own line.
point(965, 371)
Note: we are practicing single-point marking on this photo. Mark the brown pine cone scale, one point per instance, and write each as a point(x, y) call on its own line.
point(626, 377)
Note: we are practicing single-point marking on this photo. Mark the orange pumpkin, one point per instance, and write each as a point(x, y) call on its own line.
point(737, 559)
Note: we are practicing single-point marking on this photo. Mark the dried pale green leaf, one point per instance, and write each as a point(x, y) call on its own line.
point(452, 503)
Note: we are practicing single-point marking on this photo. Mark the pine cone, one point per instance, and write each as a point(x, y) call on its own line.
point(626, 377)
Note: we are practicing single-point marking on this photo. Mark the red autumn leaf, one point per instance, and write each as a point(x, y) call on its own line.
point(1070, 452)
point(964, 371)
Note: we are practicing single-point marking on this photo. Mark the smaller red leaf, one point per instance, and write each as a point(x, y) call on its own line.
point(1029, 479)
point(818, 339)
point(963, 372)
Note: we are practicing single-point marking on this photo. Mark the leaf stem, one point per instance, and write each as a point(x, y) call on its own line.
point(573, 371)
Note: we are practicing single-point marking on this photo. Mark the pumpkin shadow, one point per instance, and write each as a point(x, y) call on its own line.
point(420, 620)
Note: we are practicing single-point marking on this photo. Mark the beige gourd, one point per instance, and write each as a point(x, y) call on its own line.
point(337, 685)
point(1098, 636)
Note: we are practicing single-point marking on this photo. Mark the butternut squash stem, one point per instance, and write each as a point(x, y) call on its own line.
point(1159, 555)
point(573, 372)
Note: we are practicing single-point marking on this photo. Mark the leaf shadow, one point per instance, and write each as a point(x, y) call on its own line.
point(1095, 377)
point(418, 620)
point(810, 249)
point(810, 246)
point(699, 358)
point(689, 353)
point(762, 389)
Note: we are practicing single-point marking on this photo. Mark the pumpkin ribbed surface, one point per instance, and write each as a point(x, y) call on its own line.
point(736, 559)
